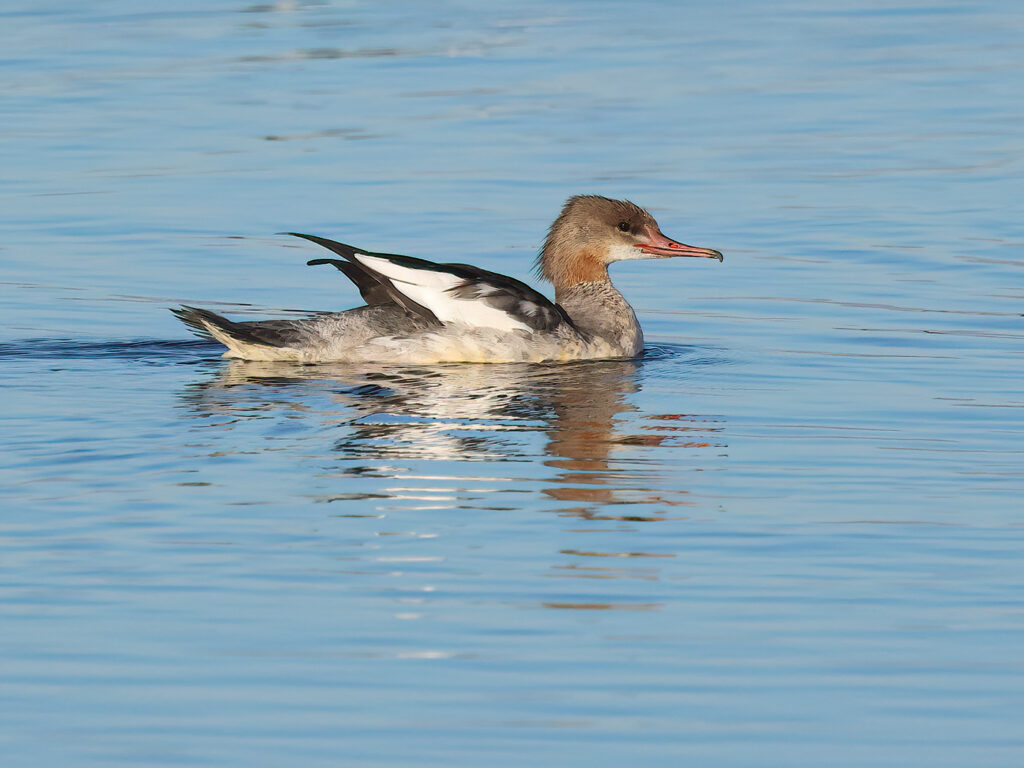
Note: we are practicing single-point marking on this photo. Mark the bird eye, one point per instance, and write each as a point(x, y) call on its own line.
point(623, 226)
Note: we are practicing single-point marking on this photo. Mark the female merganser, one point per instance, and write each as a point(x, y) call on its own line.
point(420, 312)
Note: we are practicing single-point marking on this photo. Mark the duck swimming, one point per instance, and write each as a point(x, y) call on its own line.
point(421, 312)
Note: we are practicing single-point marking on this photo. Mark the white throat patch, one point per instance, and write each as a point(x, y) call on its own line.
point(623, 252)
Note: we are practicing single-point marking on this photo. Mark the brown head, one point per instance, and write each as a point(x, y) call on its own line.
point(592, 232)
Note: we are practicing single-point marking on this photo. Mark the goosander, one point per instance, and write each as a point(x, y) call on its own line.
point(421, 312)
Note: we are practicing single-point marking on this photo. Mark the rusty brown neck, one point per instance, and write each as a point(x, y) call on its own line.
point(581, 267)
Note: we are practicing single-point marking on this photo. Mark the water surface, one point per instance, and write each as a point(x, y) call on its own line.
point(789, 535)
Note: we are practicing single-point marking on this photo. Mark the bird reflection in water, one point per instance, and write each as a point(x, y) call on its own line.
point(585, 413)
point(594, 418)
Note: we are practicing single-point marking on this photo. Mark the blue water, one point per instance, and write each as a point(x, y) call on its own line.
point(791, 535)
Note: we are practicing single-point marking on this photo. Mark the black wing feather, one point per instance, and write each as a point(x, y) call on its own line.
point(372, 290)
point(502, 292)
point(374, 287)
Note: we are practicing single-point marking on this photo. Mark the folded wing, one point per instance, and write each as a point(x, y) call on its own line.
point(449, 293)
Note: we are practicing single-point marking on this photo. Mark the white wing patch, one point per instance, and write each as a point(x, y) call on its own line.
point(430, 288)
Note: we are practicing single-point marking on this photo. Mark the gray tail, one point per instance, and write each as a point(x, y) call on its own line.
point(260, 340)
point(193, 317)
